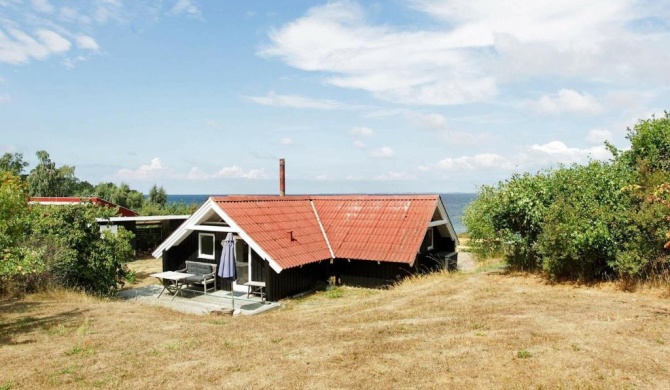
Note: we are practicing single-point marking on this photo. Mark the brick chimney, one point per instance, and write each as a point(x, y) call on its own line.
point(282, 178)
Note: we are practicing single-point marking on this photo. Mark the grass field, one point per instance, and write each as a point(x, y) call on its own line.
point(476, 330)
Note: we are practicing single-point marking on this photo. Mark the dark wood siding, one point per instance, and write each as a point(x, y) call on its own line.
point(364, 273)
point(295, 280)
point(188, 250)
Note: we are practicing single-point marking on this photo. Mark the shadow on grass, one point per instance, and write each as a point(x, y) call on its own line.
point(11, 328)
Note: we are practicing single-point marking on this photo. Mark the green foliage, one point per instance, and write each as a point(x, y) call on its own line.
point(593, 221)
point(171, 208)
point(158, 195)
point(48, 180)
point(582, 226)
point(477, 216)
point(650, 145)
point(84, 258)
point(13, 163)
point(523, 354)
point(22, 270)
point(13, 208)
point(63, 246)
point(122, 195)
point(83, 188)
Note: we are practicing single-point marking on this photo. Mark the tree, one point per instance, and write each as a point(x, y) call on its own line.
point(47, 180)
point(13, 163)
point(13, 208)
point(83, 188)
point(105, 190)
point(158, 196)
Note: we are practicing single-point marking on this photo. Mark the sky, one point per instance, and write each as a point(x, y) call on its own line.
point(427, 96)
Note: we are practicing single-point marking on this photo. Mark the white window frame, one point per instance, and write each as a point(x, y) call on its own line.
point(431, 244)
point(204, 255)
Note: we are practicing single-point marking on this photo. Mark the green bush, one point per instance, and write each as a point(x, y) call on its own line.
point(595, 221)
point(22, 270)
point(79, 255)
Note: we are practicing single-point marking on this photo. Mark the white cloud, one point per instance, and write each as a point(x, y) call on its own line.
point(197, 174)
point(598, 136)
point(43, 6)
point(54, 42)
point(358, 144)
point(529, 159)
point(483, 161)
point(286, 141)
point(407, 66)
point(323, 177)
point(69, 14)
point(392, 175)
point(107, 10)
point(71, 62)
point(17, 47)
point(473, 47)
point(296, 101)
point(185, 7)
point(87, 42)
point(237, 172)
point(383, 152)
point(438, 124)
point(36, 29)
point(567, 100)
point(362, 132)
point(429, 121)
point(559, 152)
point(152, 170)
point(354, 177)
point(5, 98)
point(232, 172)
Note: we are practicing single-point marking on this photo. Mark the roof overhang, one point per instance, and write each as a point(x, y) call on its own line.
point(446, 220)
point(144, 218)
point(194, 223)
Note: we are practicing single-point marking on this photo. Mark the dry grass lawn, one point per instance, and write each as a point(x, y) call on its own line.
point(480, 330)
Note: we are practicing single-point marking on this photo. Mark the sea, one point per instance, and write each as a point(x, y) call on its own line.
point(454, 202)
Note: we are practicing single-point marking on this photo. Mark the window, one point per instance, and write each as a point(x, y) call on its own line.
point(206, 246)
point(429, 238)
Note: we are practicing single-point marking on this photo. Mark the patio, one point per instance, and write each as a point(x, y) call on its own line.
point(195, 302)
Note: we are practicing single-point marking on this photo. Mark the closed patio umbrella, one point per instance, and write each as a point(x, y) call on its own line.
point(227, 269)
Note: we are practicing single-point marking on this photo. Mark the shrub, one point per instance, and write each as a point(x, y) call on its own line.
point(79, 255)
point(592, 221)
point(21, 271)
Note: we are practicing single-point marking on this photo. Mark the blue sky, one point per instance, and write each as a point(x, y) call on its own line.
point(204, 97)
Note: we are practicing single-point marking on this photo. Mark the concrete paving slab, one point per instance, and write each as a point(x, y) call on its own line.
point(190, 301)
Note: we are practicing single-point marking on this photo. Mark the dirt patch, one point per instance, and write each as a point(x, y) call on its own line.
point(478, 330)
point(142, 269)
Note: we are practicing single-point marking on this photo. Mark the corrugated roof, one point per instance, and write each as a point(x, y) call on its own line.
point(367, 227)
point(285, 228)
point(383, 228)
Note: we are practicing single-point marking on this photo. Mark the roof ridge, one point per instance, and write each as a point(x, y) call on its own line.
point(323, 231)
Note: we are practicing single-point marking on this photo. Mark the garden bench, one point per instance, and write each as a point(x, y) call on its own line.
point(202, 273)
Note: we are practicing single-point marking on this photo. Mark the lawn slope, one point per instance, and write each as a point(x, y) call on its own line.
point(467, 330)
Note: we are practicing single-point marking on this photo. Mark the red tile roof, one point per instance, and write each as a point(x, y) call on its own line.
point(366, 227)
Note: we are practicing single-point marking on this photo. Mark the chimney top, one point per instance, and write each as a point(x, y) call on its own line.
point(282, 177)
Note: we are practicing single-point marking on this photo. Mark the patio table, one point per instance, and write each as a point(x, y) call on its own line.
point(174, 281)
